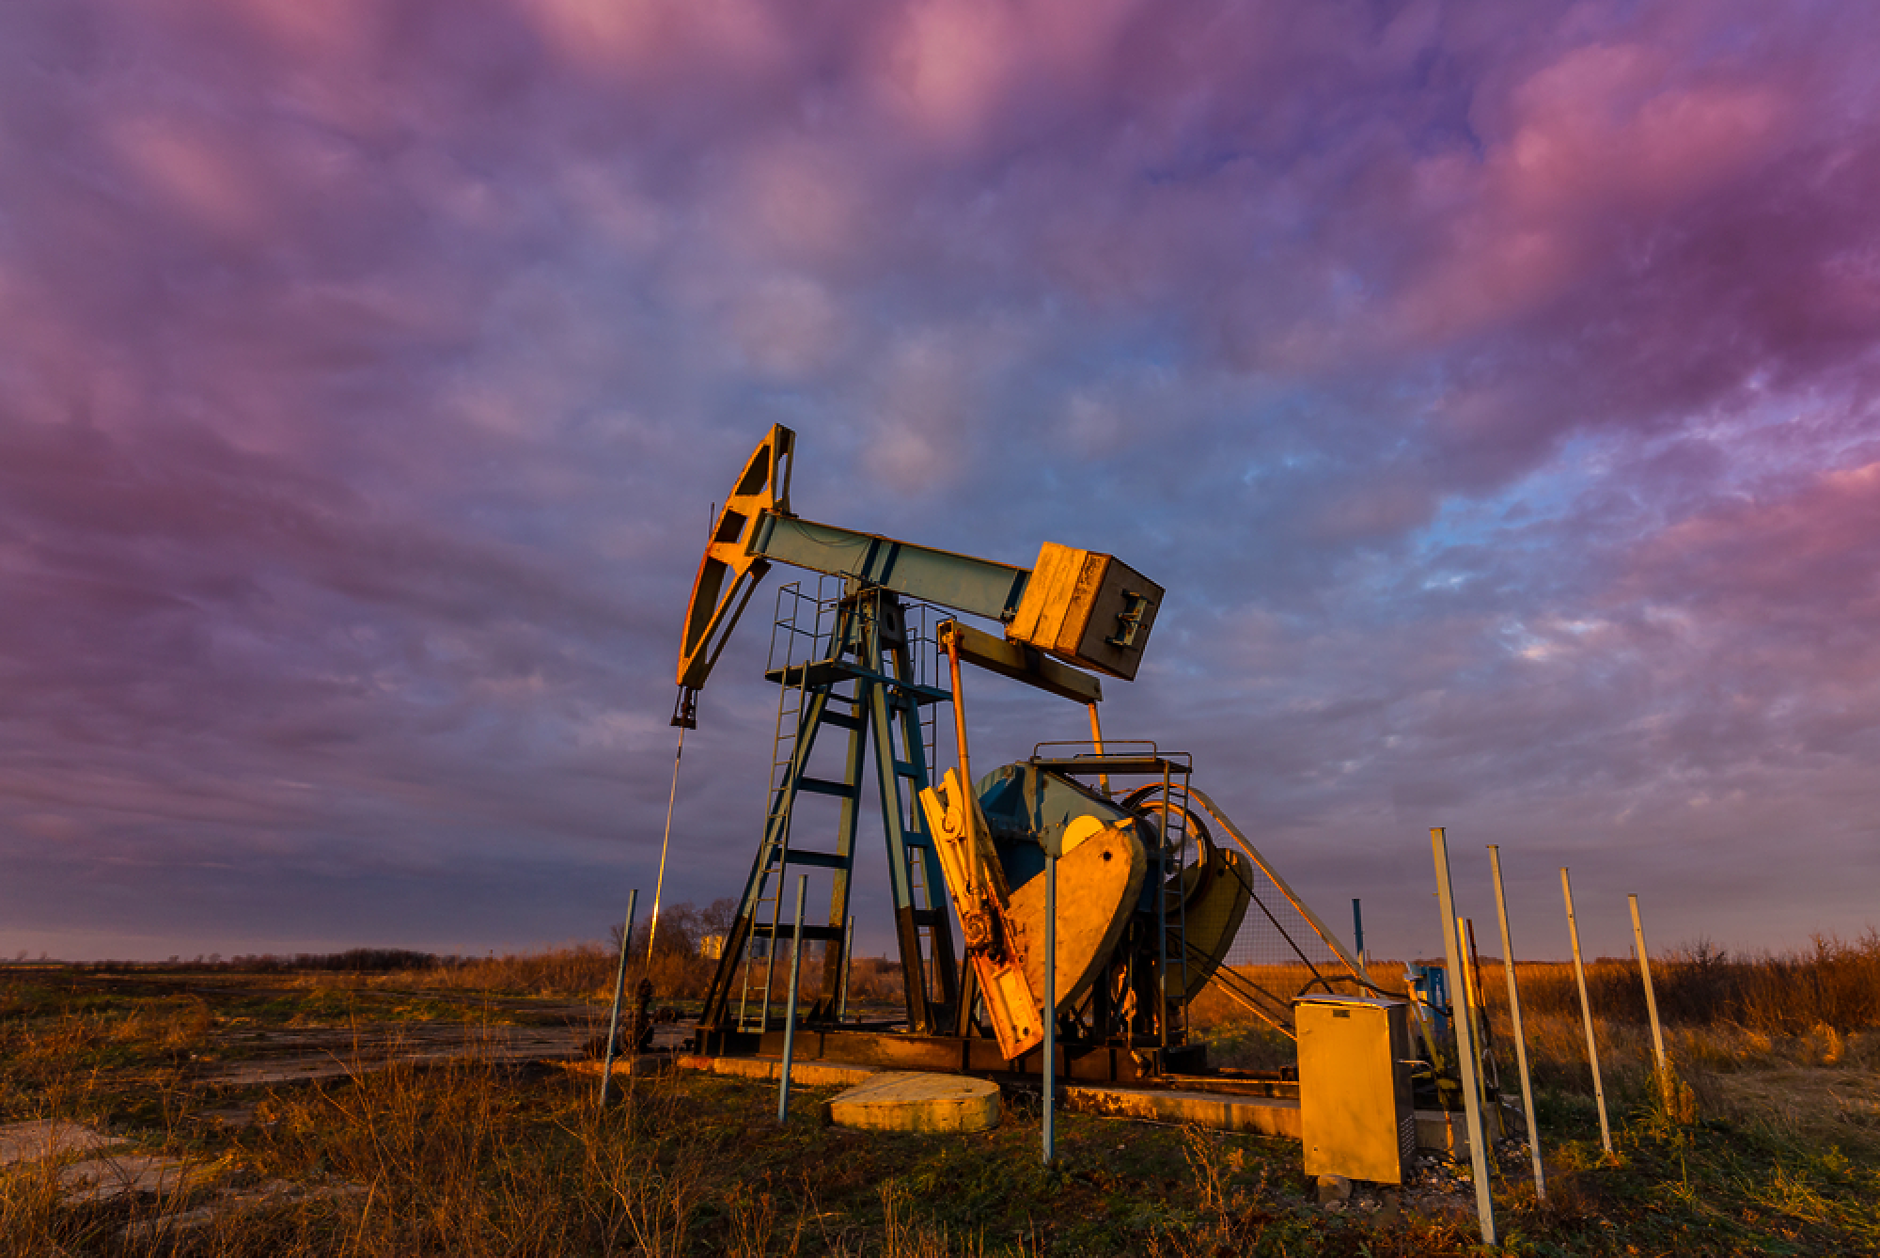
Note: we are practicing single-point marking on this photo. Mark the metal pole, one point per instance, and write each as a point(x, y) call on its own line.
point(966, 773)
point(1651, 1003)
point(1050, 1007)
point(620, 988)
point(1465, 1038)
point(789, 1009)
point(660, 885)
point(1586, 1010)
point(1357, 928)
point(848, 955)
point(1478, 1011)
point(1096, 740)
point(1520, 1037)
point(1161, 927)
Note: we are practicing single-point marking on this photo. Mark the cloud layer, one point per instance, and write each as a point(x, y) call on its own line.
point(1494, 391)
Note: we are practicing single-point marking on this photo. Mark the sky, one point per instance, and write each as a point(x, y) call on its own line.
point(1492, 387)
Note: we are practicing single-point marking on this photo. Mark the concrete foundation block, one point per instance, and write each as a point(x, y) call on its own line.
point(910, 1101)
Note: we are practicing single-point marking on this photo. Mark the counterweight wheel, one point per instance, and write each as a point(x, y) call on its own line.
point(1188, 852)
point(1206, 890)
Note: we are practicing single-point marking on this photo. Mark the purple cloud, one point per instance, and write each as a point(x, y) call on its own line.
point(1493, 391)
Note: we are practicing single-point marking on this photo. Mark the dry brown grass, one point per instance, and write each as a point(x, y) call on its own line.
point(587, 972)
point(473, 1158)
point(1834, 983)
point(1788, 1044)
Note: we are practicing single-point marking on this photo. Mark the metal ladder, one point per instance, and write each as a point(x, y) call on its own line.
point(916, 775)
point(768, 910)
point(1175, 838)
point(852, 668)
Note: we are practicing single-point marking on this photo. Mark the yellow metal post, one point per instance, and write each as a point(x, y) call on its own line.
point(1651, 1003)
point(789, 1004)
point(1478, 1009)
point(1050, 1005)
point(1096, 738)
point(1520, 1037)
point(959, 741)
point(1586, 1010)
point(1479, 1153)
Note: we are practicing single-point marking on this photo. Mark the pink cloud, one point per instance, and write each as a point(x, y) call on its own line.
point(1604, 139)
point(1810, 555)
point(657, 37)
point(365, 370)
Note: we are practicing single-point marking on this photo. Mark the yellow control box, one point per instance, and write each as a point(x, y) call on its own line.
point(1088, 609)
point(1355, 1113)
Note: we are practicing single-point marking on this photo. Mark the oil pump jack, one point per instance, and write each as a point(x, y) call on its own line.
point(1149, 900)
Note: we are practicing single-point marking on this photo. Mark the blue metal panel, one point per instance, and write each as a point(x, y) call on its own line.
point(1026, 807)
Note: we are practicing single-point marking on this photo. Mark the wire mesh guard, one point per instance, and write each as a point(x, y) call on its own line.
point(1277, 955)
point(1279, 951)
point(1269, 950)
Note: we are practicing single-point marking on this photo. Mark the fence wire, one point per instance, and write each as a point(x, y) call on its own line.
point(1276, 955)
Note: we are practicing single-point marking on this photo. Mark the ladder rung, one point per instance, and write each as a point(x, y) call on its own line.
point(823, 786)
point(820, 860)
point(784, 930)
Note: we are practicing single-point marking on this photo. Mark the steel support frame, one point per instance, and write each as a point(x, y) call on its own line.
point(869, 648)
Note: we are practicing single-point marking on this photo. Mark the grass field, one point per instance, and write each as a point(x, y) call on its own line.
point(1773, 1146)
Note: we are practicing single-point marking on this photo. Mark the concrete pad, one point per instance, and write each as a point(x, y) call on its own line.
point(105, 1171)
point(638, 1066)
point(911, 1101)
point(1259, 1115)
point(337, 1054)
point(803, 1074)
point(47, 1138)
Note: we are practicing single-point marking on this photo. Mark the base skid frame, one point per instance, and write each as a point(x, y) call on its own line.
point(955, 1054)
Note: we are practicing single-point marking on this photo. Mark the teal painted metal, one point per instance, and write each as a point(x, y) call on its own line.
point(789, 1005)
point(863, 683)
point(977, 586)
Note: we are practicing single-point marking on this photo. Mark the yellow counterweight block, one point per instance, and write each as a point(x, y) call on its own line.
point(1100, 877)
point(976, 884)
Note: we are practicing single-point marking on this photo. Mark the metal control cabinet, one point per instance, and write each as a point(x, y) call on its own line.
point(1355, 1113)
